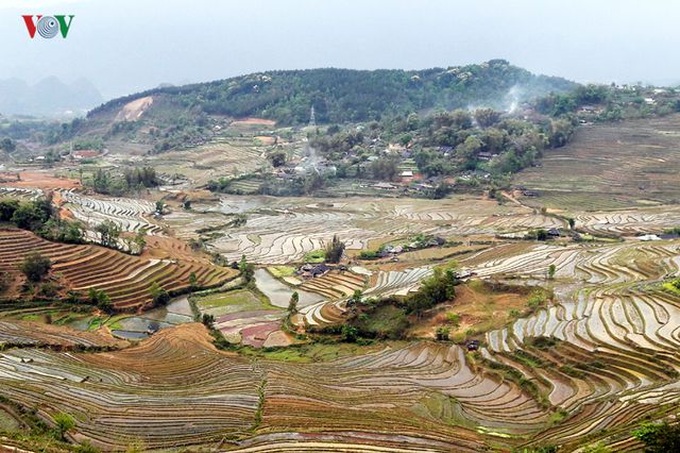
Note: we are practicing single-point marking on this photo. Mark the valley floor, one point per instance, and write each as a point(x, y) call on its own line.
point(583, 365)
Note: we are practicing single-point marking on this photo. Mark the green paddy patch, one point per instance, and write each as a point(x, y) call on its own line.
point(281, 271)
point(315, 256)
point(218, 304)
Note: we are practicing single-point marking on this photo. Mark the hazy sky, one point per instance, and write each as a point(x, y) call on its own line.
point(124, 46)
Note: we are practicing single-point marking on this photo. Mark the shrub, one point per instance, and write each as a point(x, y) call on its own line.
point(369, 255)
point(349, 333)
point(208, 320)
point(49, 290)
point(453, 319)
point(442, 333)
point(64, 423)
point(659, 437)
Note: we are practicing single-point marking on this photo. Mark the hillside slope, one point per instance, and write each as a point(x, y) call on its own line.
point(337, 96)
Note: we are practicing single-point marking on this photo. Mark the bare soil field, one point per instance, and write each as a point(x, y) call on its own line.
point(44, 180)
point(133, 110)
point(253, 122)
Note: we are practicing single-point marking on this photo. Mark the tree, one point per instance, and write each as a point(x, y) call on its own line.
point(60, 230)
point(30, 216)
point(468, 150)
point(8, 144)
point(35, 266)
point(486, 117)
point(160, 206)
point(349, 333)
point(193, 281)
point(160, 295)
point(659, 437)
point(572, 222)
point(434, 290)
point(101, 181)
point(277, 158)
point(551, 271)
point(247, 270)
point(356, 298)
point(453, 319)
point(99, 298)
point(7, 209)
point(139, 242)
point(292, 305)
point(208, 320)
point(334, 250)
point(385, 168)
point(109, 232)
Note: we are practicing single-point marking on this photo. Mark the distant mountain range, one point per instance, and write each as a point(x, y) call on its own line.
point(48, 97)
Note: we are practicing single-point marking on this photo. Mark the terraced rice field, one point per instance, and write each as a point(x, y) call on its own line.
point(244, 318)
point(131, 215)
point(588, 366)
point(352, 400)
point(616, 332)
point(357, 221)
point(398, 282)
point(221, 158)
point(25, 334)
point(126, 279)
point(613, 361)
point(20, 192)
point(613, 166)
point(335, 284)
point(630, 222)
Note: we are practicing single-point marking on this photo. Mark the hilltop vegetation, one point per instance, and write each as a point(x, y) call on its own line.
point(178, 116)
point(345, 95)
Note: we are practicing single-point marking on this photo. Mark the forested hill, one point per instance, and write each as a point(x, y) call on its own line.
point(344, 95)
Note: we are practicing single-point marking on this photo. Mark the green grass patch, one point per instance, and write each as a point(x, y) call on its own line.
point(281, 271)
point(113, 322)
point(315, 256)
point(671, 288)
point(386, 321)
point(95, 323)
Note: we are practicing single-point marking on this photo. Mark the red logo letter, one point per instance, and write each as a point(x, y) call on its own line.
point(30, 25)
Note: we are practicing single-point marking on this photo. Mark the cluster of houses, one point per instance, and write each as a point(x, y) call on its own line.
point(307, 271)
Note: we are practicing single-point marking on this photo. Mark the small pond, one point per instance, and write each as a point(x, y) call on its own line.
point(279, 293)
point(178, 311)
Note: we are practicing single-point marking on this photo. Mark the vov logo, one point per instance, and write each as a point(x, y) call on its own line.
point(48, 26)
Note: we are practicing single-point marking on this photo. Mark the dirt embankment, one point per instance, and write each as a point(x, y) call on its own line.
point(132, 111)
